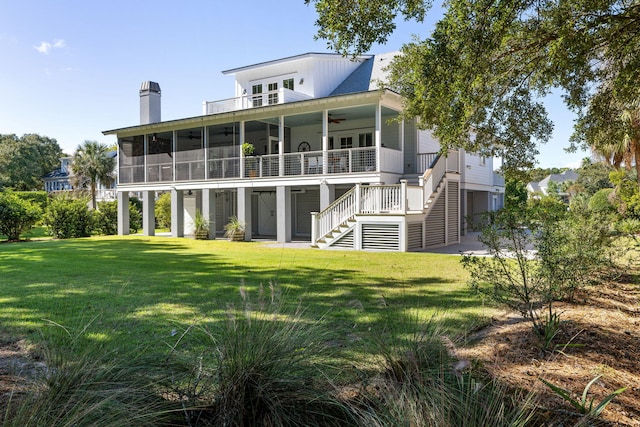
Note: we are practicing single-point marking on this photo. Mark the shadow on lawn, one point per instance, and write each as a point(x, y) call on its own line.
point(140, 293)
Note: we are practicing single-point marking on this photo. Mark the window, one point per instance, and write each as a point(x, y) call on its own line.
point(346, 142)
point(483, 161)
point(272, 97)
point(256, 91)
point(365, 139)
point(287, 84)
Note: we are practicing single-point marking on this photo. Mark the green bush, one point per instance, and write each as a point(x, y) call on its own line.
point(601, 201)
point(106, 218)
point(16, 215)
point(40, 198)
point(67, 218)
point(135, 215)
point(163, 210)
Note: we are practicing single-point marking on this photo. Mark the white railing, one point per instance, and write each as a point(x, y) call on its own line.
point(189, 171)
point(424, 161)
point(244, 102)
point(391, 160)
point(453, 161)
point(224, 168)
point(365, 200)
point(432, 177)
point(337, 213)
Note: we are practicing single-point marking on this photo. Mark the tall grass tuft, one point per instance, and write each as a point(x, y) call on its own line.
point(262, 369)
point(424, 385)
point(89, 389)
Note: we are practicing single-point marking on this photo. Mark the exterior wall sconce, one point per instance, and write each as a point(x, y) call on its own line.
point(301, 81)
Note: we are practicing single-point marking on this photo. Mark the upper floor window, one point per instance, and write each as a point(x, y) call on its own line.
point(273, 93)
point(346, 142)
point(287, 84)
point(483, 161)
point(256, 91)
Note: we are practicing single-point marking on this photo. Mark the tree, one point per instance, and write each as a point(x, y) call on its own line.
point(24, 160)
point(91, 164)
point(477, 79)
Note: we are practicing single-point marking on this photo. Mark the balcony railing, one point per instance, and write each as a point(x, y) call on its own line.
point(344, 161)
point(244, 102)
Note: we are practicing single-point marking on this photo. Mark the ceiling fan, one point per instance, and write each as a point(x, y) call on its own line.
point(192, 136)
point(335, 120)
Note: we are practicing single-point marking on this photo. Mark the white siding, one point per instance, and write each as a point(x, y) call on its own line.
point(427, 143)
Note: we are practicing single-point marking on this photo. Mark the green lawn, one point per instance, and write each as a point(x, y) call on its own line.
point(139, 292)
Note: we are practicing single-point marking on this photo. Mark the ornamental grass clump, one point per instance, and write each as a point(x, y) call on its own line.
point(256, 368)
point(89, 388)
point(423, 384)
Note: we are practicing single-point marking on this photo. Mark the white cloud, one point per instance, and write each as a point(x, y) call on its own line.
point(45, 47)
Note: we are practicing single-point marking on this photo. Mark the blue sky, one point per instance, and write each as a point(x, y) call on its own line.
point(73, 68)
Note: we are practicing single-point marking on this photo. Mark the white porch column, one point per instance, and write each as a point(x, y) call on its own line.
point(148, 213)
point(327, 195)
point(244, 210)
point(209, 210)
point(378, 138)
point(281, 146)
point(325, 143)
point(123, 213)
point(177, 213)
point(283, 209)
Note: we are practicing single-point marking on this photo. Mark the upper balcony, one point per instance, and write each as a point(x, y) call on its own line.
point(280, 96)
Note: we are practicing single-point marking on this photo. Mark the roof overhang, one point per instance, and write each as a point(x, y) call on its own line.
point(289, 59)
point(385, 96)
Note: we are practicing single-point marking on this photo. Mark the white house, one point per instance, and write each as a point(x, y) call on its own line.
point(541, 188)
point(61, 179)
point(333, 164)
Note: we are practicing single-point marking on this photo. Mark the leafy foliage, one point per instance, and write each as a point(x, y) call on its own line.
point(92, 164)
point(16, 215)
point(477, 79)
point(583, 405)
point(24, 160)
point(540, 255)
point(162, 210)
point(67, 218)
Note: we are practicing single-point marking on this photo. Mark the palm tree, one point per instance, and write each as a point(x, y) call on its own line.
point(92, 164)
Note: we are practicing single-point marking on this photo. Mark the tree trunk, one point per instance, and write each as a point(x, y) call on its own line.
point(635, 146)
point(93, 195)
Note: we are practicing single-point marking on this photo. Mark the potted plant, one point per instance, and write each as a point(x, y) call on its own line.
point(234, 229)
point(247, 151)
point(201, 226)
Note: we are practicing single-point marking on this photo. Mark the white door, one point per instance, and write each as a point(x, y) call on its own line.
point(267, 214)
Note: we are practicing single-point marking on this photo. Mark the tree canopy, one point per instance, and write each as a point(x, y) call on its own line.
point(478, 79)
point(24, 160)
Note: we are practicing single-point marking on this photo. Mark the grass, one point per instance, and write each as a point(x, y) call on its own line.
point(139, 293)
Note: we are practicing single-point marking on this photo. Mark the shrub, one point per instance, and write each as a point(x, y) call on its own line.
point(40, 198)
point(68, 218)
point(601, 201)
point(16, 215)
point(135, 215)
point(163, 210)
point(106, 218)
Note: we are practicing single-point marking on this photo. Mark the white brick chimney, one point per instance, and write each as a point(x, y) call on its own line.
point(149, 103)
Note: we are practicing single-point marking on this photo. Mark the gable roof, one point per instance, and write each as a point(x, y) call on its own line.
point(367, 76)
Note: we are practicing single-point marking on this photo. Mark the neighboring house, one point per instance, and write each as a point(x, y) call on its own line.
point(61, 179)
point(536, 189)
point(333, 163)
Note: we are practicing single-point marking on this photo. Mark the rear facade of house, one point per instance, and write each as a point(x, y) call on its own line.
point(333, 163)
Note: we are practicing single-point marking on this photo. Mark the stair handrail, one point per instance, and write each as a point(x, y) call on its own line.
point(343, 208)
point(433, 176)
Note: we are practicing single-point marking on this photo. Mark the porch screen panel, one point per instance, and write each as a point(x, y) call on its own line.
point(131, 159)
